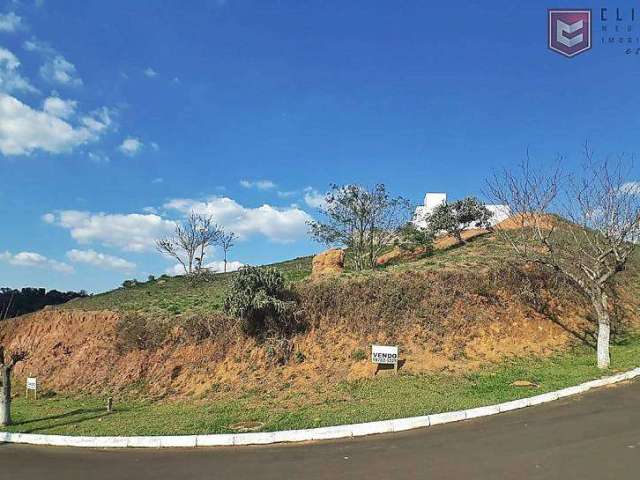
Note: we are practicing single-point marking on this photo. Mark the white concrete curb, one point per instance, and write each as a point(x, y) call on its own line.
point(325, 433)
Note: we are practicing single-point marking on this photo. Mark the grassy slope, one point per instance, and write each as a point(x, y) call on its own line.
point(364, 400)
point(178, 295)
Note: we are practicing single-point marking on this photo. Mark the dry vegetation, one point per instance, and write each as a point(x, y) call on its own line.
point(455, 311)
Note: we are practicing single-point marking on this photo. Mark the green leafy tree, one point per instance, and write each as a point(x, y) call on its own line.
point(365, 221)
point(457, 216)
point(259, 298)
point(412, 237)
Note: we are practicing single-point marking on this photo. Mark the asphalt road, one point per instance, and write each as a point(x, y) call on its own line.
point(592, 436)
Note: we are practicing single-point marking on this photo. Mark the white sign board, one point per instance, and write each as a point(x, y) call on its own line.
point(32, 383)
point(384, 354)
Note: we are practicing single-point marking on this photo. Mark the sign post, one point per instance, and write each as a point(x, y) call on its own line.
point(385, 355)
point(32, 384)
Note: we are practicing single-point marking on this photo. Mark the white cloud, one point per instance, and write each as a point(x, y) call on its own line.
point(150, 72)
point(60, 70)
point(100, 260)
point(218, 266)
point(99, 157)
point(49, 218)
point(259, 184)
point(98, 121)
point(59, 108)
point(10, 79)
point(287, 194)
point(280, 225)
point(214, 267)
point(24, 129)
point(130, 146)
point(56, 68)
point(631, 188)
point(132, 232)
point(314, 199)
point(32, 259)
point(10, 22)
point(157, 180)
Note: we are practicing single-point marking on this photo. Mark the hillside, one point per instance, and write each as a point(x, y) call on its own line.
point(467, 323)
point(455, 311)
point(178, 295)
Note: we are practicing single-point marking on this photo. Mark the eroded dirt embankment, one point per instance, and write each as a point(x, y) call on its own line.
point(77, 352)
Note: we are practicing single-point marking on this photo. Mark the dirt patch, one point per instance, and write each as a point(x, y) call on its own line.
point(329, 262)
point(515, 222)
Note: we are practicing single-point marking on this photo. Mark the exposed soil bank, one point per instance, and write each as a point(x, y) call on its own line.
point(442, 323)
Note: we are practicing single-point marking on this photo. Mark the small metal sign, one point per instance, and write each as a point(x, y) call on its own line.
point(385, 355)
point(32, 384)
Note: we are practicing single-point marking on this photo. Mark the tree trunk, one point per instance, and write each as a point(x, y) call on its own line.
point(601, 304)
point(5, 397)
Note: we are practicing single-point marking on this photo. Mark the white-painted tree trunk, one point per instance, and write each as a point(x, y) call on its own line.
point(604, 333)
point(601, 303)
point(5, 397)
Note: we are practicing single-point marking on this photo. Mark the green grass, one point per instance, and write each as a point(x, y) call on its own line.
point(167, 296)
point(170, 296)
point(373, 399)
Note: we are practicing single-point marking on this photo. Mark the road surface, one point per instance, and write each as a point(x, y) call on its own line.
point(592, 436)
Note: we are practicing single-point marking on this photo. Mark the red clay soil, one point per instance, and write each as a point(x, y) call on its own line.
point(75, 352)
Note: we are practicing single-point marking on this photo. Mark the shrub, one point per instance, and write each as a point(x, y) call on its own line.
point(259, 298)
point(151, 278)
point(358, 355)
point(411, 237)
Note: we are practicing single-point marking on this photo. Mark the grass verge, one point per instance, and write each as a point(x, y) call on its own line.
point(352, 402)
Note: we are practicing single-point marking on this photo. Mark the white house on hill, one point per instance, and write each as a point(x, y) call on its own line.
point(432, 200)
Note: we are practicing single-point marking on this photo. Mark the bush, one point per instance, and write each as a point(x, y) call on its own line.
point(358, 355)
point(411, 237)
point(259, 299)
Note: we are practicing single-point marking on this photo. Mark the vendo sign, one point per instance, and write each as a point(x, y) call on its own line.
point(384, 354)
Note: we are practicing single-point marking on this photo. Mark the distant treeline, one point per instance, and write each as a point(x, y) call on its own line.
point(27, 300)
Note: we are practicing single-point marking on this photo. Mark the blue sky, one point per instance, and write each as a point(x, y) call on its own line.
point(118, 117)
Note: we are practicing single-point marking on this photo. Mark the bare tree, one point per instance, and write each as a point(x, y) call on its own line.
point(583, 226)
point(5, 392)
point(189, 242)
point(364, 220)
point(226, 242)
